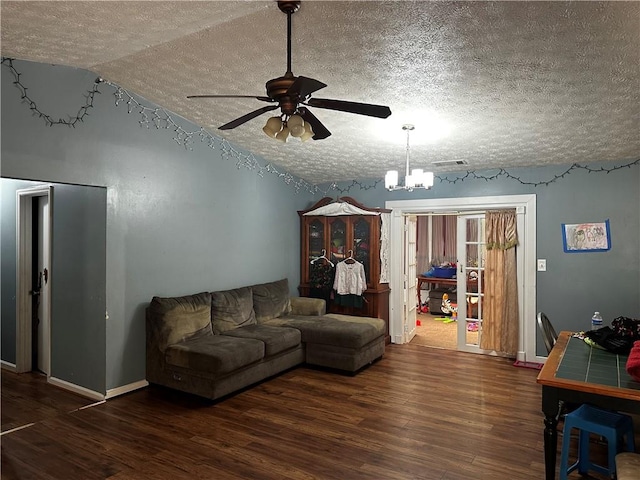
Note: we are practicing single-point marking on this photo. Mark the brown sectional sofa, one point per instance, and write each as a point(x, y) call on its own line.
point(212, 344)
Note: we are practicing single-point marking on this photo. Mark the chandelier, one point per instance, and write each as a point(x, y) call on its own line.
point(418, 178)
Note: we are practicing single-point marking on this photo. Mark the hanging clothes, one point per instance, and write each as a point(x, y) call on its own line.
point(354, 301)
point(321, 278)
point(350, 278)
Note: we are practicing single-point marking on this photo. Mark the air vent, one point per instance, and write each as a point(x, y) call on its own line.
point(449, 163)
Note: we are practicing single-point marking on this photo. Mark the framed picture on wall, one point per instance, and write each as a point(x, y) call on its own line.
point(586, 237)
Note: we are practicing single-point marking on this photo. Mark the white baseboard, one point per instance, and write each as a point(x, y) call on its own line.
point(114, 392)
point(85, 392)
point(8, 366)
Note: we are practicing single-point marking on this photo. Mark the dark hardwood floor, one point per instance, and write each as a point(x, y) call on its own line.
point(27, 398)
point(419, 413)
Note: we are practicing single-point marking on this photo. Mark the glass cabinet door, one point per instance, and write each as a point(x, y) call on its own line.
point(338, 239)
point(316, 239)
point(362, 244)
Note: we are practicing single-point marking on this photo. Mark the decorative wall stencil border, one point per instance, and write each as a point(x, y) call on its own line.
point(160, 118)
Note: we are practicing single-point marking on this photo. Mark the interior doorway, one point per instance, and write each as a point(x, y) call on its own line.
point(525, 206)
point(33, 298)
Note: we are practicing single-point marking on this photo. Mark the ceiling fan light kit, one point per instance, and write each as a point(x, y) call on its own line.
point(294, 126)
point(282, 134)
point(273, 126)
point(291, 94)
point(418, 178)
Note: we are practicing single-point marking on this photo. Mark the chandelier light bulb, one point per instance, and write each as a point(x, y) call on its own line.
point(428, 179)
point(418, 177)
point(409, 182)
point(391, 179)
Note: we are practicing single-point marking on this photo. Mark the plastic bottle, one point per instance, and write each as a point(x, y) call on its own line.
point(596, 321)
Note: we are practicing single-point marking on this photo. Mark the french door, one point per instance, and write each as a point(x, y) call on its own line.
point(471, 250)
point(525, 206)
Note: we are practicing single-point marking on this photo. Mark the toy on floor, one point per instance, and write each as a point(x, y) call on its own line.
point(448, 307)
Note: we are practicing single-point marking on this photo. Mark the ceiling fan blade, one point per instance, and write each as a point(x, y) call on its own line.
point(245, 118)
point(305, 86)
point(368, 109)
point(320, 132)
point(263, 99)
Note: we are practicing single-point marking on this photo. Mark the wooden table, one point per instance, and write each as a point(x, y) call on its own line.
point(577, 373)
point(440, 281)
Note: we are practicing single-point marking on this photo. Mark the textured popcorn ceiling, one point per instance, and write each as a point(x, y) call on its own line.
point(498, 84)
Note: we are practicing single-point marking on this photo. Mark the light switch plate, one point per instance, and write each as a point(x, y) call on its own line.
point(542, 265)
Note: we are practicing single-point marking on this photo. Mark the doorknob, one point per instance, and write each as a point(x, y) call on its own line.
point(46, 275)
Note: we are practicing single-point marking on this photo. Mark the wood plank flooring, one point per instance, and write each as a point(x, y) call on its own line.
point(419, 413)
point(27, 398)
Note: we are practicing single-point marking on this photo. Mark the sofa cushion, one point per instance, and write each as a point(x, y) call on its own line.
point(276, 339)
point(338, 330)
point(232, 309)
point(174, 319)
point(308, 306)
point(216, 354)
point(271, 300)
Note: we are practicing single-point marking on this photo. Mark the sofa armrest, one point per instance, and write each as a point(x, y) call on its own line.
point(308, 306)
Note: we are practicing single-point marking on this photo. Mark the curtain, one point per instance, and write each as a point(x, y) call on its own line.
point(423, 262)
point(443, 246)
point(385, 234)
point(445, 231)
point(500, 316)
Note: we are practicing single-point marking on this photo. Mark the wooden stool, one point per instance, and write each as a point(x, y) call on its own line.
point(610, 425)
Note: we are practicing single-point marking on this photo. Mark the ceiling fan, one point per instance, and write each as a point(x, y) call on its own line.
point(292, 95)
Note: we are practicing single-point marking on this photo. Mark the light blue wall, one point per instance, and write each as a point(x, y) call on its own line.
point(179, 221)
point(78, 289)
point(8, 273)
point(575, 284)
point(77, 278)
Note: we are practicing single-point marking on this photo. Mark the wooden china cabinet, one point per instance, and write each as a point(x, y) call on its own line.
point(337, 238)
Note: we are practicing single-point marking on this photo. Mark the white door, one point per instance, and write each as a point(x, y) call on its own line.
point(471, 250)
point(410, 277)
point(29, 248)
point(43, 330)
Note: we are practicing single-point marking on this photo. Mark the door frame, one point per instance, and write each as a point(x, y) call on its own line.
point(525, 204)
point(24, 248)
point(410, 277)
